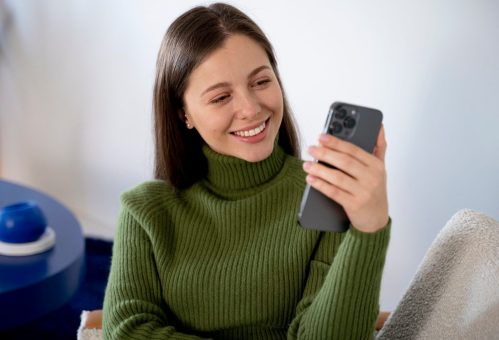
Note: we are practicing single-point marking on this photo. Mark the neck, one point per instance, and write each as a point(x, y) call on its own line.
point(228, 173)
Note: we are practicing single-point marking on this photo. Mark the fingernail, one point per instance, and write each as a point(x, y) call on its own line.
point(311, 149)
point(307, 165)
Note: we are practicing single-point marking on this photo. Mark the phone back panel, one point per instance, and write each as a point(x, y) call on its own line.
point(318, 211)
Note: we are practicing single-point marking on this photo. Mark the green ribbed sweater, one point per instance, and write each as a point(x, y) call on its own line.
point(226, 259)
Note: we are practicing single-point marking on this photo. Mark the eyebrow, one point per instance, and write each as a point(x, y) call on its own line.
point(225, 84)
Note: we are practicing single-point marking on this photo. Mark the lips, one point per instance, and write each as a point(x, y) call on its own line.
point(251, 131)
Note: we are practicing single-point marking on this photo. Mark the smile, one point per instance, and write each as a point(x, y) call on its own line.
point(252, 132)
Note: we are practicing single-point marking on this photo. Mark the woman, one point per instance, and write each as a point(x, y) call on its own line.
point(212, 248)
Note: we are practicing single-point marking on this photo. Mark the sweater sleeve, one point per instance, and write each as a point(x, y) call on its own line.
point(133, 305)
point(341, 299)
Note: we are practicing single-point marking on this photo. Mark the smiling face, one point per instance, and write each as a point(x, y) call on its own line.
point(234, 100)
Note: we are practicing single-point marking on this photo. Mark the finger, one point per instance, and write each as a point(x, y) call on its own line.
point(338, 144)
point(332, 176)
point(342, 161)
point(331, 191)
point(381, 145)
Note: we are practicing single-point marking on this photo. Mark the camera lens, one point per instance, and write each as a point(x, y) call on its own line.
point(341, 113)
point(336, 128)
point(349, 122)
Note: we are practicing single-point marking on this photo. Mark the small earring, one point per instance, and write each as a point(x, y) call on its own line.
point(189, 126)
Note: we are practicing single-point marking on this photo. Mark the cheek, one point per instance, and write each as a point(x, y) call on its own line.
point(274, 100)
point(213, 125)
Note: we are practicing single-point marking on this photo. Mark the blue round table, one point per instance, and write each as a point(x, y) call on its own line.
point(31, 286)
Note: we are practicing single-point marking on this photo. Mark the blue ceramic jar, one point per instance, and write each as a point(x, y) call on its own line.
point(22, 222)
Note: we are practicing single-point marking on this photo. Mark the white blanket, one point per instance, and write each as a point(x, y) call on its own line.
point(455, 292)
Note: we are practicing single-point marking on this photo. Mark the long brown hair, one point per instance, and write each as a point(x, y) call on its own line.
point(190, 38)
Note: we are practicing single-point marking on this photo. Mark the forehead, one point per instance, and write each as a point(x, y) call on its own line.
point(236, 58)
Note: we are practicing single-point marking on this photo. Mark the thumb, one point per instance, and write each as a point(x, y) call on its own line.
point(380, 148)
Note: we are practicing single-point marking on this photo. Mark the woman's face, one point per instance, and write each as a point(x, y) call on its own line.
point(234, 101)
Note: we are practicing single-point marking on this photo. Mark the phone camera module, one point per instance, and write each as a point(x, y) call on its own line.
point(349, 122)
point(336, 127)
point(341, 113)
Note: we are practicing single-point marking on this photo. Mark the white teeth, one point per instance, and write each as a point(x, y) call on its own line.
point(250, 133)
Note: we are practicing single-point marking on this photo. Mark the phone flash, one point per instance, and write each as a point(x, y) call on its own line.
point(354, 112)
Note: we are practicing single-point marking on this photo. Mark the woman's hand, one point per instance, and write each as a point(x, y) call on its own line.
point(358, 183)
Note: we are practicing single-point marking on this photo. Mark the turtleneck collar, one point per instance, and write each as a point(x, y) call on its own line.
point(231, 174)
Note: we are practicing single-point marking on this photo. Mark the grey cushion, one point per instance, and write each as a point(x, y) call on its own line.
point(455, 292)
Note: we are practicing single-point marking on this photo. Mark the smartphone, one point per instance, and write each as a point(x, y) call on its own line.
point(358, 125)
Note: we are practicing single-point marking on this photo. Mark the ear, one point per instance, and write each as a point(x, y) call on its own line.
point(187, 119)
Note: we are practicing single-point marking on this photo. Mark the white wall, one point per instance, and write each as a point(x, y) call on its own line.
point(75, 100)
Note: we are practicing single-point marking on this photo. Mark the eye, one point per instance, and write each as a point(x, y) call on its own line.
point(261, 82)
point(220, 99)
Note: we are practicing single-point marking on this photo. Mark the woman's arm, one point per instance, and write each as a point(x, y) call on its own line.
point(340, 299)
point(133, 304)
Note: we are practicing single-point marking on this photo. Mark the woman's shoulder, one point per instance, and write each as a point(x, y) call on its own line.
point(148, 190)
point(148, 196)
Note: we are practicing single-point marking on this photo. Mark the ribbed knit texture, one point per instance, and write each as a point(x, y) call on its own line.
point(226, 259)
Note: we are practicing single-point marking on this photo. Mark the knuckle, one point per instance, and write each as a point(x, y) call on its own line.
point(313, 169)
point(346, 161)
point(319, 184)
point(319, 169)
point(337, 178)
point(332, 191)
point(354, 151)
point(339, 161)
point(334, 142)
point(320, 153)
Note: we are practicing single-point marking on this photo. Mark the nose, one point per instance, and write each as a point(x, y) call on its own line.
point(247, 106)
